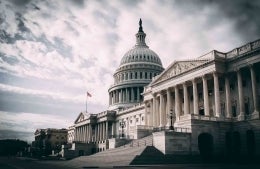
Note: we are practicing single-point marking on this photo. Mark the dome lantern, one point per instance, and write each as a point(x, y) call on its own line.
point(140, 36)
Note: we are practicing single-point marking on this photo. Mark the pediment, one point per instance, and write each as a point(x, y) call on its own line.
point(81, 117)
point(177, 68)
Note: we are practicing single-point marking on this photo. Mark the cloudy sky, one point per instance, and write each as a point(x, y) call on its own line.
point(53, 51)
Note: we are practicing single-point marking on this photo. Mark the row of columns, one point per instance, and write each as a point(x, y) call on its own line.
point(158, 114)
point(85, 133)
point(135, 75)
point(125, 95)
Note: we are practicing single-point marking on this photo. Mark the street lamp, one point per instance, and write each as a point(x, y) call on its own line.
point(122, 125)
point(171, 116)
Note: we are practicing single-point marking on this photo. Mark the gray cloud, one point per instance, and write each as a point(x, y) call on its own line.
point(13, 134)
point(244, 13)
point(20, 2)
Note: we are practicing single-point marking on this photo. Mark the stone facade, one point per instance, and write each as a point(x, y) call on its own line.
point(49, 139)
point(213, 100)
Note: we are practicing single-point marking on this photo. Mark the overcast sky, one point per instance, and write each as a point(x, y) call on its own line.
point(53, 51)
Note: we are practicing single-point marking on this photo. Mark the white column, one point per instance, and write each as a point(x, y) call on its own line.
point(138, 94)
point(107, 136)
point(75, 134)
point(151, 113)
point(154, 110)
point(216, 95)
point(88, 129)
point(124, 95)
point(101, 131)
point(157, 112)
point(205, 95)
point(240, 96)
point(113, 129)
point(169, 105)
point(104, 130)
point(117, 96)
point(85, 135)
point(146, 115)
point(186, 99)
point(161, 109)
point(253, 82)
point(98, 131)
point(228, 100)
point(132, 94)
point(79, 136)
point(195, 97)
point(177, 103)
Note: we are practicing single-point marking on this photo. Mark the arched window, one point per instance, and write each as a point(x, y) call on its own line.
point(145, 75)
point(135, 75)
point(141, 75)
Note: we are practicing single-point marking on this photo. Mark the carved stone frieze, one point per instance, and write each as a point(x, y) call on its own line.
point(180, 67)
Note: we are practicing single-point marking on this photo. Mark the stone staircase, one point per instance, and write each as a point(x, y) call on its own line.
point(137, 152)
point(121, 156)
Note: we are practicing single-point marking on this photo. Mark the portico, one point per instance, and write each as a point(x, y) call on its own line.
point(201, 89)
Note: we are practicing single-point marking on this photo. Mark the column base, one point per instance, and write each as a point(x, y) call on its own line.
point(255, 115)
point(220, 117)
point(241, 117)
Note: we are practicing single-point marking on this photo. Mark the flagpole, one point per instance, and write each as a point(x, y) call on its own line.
point(87, 103)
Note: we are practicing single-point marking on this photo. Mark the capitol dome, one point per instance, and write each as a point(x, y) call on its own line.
point(136, 70)
point(140, 54)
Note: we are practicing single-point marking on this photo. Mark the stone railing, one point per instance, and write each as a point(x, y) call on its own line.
point(176, 129)
point(136, 106)
point(144, 127)
point(233, 53)
point(243, 49)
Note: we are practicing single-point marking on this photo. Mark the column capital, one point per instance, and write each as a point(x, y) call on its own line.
point(194, 80)
point(237, 69)
point(204, 76)
point(176, 86)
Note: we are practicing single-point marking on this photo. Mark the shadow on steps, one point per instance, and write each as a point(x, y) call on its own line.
point(151, 155)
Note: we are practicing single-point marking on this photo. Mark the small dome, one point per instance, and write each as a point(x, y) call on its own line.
point(141, 54)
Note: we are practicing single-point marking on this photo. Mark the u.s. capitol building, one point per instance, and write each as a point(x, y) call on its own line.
point(207, 105)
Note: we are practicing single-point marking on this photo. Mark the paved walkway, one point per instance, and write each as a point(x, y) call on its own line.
point(28, 163)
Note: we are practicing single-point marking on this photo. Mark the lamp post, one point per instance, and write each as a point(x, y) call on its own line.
point(122, 125)
point(171, 116)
